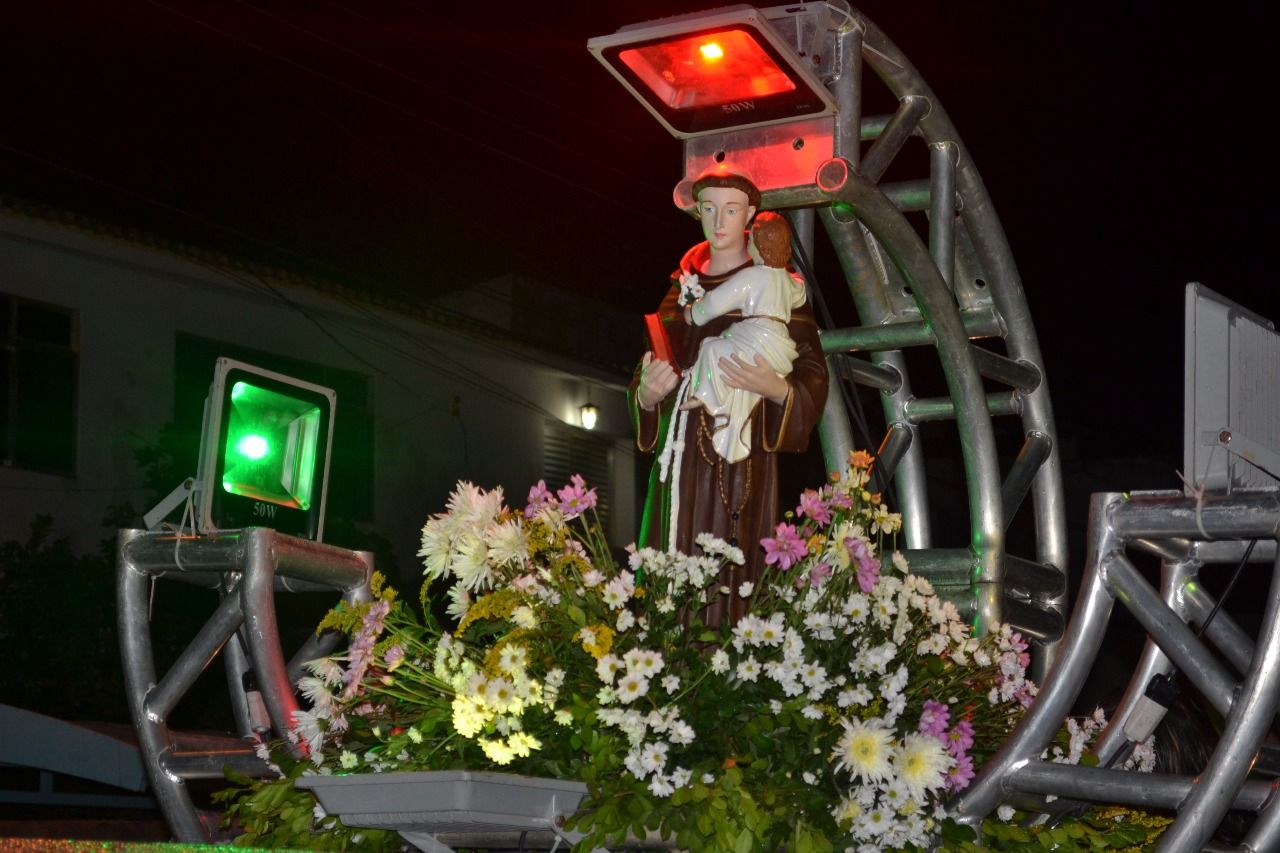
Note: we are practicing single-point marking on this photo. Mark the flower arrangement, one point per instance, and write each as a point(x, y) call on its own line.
point(841, 711)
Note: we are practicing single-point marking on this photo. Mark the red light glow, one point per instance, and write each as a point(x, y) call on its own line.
point(708, 69)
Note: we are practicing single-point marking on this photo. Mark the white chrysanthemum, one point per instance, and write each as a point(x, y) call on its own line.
point(497, 751)
point(508, 543)
point(921, 765)
point(746, 588)
point(660, 786)
point(671, 683)
point(666, 605)
point(720, 662)
point(615, 594)
point(513, 658)
point(499, 695)
point(309, 729)
point(681, 733)
point(524, 617)
point(632, 686)
point(469, 715)
point(865, 749)
point(771, 633)
point(474, 506)
point(625, 620)
point(644, 661)
point(471, 563)
point(523, 744)
point(317, 693)
point(749, 669)
point(900, 562)
point(327, 670)
point(607, 668)
point(653, 758)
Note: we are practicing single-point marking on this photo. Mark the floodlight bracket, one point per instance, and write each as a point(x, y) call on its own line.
point(182, 493)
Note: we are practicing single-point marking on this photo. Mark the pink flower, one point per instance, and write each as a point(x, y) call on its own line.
point(839, 500)
point(868, 566)
point(961, 773)
point(812, 505)
point(539, 498)
point(819, 573)
point(934, 719)
point(784, 549)
point(576, 498)
point(960, 738)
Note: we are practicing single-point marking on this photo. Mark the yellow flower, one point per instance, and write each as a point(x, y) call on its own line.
point(494, 606)
point(596, 640)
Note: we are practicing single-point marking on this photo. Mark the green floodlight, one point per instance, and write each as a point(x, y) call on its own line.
point(264, 452)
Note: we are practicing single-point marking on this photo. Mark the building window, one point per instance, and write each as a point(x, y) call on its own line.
point(39, 356)
point(567, 450)
point(351, 465)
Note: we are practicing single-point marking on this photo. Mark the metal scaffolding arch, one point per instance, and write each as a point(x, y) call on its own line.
point(246, 567)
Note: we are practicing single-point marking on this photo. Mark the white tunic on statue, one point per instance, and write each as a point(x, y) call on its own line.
point(766, 297)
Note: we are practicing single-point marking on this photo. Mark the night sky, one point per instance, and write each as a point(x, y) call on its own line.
point(412, 147)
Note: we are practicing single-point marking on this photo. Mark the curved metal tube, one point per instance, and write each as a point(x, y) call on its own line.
point(977, 439)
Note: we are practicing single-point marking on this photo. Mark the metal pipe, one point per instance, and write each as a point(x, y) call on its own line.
point(213, 764)
point(942, 208)
point(1255, 516)
point(873, 308)
point(1021, 375)
point(981, 323)
point(194, 658)
point(1173, 636)
point(1078, 651)
point(1032, 579)
point(894, 136)
point(1035, 450)
point(1227, 637)
point(132, 620)
point(925, 409)
point(876, 376)
point(237, 666)
point(1152, 662)
point(907, 196)
point(1097, 784)
point(263, 550)
point(977, 439)
point(848, 93)
point(894, 446)
point(1251, 717)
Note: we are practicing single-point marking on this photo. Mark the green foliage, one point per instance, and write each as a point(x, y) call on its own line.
point(1099, 829)
point(273, 813)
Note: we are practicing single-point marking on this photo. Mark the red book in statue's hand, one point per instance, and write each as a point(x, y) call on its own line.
point(659, 342)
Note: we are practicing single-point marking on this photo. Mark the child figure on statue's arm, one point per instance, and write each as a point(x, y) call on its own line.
point(765, 294)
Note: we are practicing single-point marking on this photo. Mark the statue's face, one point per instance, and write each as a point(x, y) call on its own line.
point(724, 212)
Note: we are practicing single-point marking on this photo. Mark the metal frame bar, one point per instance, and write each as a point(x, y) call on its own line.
point(248, 566)
point(1170, 525)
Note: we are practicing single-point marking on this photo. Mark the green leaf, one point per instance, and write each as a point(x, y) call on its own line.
point(576, 614)
point(744, 843)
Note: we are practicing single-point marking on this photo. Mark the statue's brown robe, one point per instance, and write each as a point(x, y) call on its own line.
point(736, 502)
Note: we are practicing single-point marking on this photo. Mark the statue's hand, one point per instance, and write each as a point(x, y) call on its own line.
point(759, 378)
point(657, 380)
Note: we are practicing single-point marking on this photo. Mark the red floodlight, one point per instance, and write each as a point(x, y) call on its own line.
point(708, 73)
